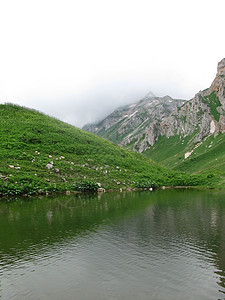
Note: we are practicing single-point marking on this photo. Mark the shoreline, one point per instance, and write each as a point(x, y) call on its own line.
point(103, 191)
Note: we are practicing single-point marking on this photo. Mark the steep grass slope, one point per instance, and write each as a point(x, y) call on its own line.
point(206, 157)
point(39, 153)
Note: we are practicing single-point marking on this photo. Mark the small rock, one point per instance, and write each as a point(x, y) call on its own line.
point(50, 156)
point(49, 166)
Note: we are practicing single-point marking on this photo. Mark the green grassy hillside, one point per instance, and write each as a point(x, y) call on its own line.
point(207, 158)
point(169, 151)
point(39, 154)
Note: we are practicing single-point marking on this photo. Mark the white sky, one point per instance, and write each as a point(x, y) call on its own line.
point(78, 60)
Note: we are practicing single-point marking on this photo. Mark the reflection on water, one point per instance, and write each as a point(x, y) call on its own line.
point(160, 245)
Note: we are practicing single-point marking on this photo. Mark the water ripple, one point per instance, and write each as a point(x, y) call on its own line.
point(139, 248)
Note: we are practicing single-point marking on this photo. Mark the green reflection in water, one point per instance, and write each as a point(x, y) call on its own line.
point(31, 227)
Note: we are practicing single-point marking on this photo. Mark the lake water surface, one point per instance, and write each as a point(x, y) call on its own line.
point(167, 244)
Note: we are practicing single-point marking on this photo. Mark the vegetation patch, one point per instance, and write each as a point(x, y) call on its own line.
point(213, 102)
point(86, 186)
point(146, 184)
point(40, 154)
point(169, 151)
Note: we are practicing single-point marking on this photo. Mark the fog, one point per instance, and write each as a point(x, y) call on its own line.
point(79, 60)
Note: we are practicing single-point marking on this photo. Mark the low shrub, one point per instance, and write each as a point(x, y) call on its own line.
point(86, 186)
point(146, 183)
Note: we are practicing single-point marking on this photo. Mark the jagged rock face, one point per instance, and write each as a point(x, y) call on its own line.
point(222, 123)
point(185, 121)
point(218, 84)
point(203, 115)
point(139, 125)
point(128, 124)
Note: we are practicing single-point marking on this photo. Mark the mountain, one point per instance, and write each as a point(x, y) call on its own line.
point(188, 136)
point(40, 154)
point(134, 125)
point(192, 138)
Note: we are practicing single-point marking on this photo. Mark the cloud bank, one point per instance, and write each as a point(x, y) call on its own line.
point(79, 60)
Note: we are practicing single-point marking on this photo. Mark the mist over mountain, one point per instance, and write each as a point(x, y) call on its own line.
point(131, 122)
point(177, 133)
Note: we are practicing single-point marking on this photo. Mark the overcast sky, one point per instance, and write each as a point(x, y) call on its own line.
point(77, 60)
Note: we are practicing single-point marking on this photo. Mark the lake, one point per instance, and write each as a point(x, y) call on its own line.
point(166, 244)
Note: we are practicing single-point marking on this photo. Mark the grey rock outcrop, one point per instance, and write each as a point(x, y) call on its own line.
point(128, 124)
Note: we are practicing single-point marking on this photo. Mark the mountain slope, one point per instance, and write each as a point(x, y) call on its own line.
point(39, 153)
point(140, 125)
point(193, 138)
point(188, 138)
point(130, 125)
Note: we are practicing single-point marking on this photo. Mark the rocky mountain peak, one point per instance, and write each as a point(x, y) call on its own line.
point(218, 85)
point(221, 67)
point(130, 123)
point(149, 95)
point(140, 125)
